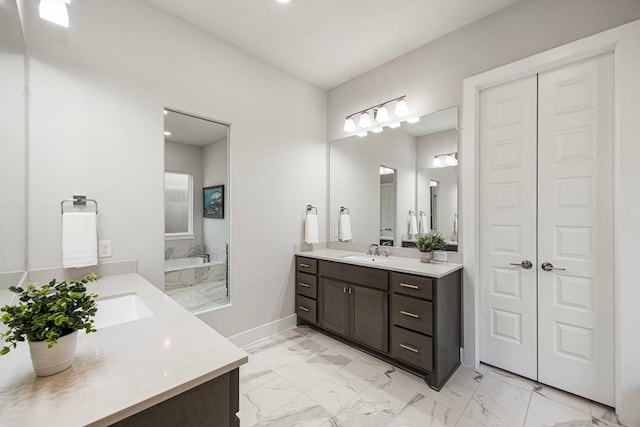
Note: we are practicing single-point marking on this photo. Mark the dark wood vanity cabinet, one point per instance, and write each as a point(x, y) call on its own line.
point(410, 320)
point(353, 302)
point(306, 289)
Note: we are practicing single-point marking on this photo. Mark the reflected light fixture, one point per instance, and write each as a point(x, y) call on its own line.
point(394, 125)
point(413, 120)
point(365, 120)
point(386, 171)
point(167, 133)
point(446, 159)
point(55, 11)
point(380, 114)
point(376, 130)
point(361, 134)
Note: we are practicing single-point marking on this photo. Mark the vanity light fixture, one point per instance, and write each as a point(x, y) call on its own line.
point(380, 114)
point(55, 11)
point(446, 159)
point(365, 120)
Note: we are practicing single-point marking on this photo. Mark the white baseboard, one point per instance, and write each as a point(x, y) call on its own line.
point(263, 331)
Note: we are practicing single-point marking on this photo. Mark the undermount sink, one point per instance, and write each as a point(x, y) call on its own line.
point(118, 309)
point(367, 258)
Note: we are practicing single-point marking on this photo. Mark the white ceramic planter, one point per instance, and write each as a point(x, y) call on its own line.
point(48, 361)
point(426, 256)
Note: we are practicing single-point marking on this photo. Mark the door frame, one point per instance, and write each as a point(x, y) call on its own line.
point(624, 42)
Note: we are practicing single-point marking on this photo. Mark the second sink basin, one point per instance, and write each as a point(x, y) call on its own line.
point(367, 258)
point(118, 309)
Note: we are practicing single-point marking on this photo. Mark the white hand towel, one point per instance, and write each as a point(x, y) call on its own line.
point(413, 224)
point(311, 234)
point(344, 230)
point(79, 239)
point(424, 223)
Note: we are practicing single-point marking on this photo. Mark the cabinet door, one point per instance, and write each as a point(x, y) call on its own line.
point(334, 306)
point(369, 317)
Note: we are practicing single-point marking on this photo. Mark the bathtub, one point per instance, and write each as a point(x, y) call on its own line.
point(182, 272)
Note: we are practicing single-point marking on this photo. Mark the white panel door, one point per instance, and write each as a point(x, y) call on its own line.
point(575, 229)
point(508, 226)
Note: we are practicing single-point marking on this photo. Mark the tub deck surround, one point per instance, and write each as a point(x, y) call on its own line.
point(393, 263)
point(120, 370)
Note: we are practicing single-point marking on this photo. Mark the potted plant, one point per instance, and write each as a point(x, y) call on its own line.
point(426, 243)
point(49, 317)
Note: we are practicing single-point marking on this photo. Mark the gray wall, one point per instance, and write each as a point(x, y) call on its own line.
point(98, 91)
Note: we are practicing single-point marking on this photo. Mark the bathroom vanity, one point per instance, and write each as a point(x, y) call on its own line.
point(398, 309)
point(164, 368)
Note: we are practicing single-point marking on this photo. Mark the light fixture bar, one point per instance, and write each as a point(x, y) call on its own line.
point(382, 104)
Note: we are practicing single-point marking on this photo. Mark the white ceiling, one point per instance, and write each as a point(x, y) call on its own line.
point(327, 42)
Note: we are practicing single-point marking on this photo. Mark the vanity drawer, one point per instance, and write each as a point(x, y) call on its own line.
point(366, 276)
point(306, 309)
point(412, 348)
point(307, 284)
point(307, 265)
point(416, 286)
point(412, 313)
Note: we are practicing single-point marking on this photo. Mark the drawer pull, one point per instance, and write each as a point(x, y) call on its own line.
point(304, 265)
point(408, 347)
point(406, 285)
point(304, 285)
point(406, 313)
point(303, 308)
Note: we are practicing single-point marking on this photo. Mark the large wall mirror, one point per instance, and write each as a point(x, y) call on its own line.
point(13, 160)
point(196, 192)
point(397, 183)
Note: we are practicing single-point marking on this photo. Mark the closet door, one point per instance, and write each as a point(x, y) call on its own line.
point(508, 227)
point(575, 221)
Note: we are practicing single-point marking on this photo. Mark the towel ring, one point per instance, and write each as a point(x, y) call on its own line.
point(311, 209)
point(78, 201)
point(343, 210)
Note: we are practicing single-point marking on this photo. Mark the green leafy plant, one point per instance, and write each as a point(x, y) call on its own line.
point(431, 241)
point(49, 312)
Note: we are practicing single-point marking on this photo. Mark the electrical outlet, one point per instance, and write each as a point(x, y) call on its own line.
point(104, 248)
point(439, 256)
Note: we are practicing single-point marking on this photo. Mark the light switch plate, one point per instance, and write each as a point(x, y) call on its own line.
point(439, 256)
point(104, 248)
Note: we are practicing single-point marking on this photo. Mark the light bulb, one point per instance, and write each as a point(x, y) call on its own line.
point(394, 125)
point(376, 130)
point(361, 134)
point(55, 11)
point(382, 115)
point(349, 125)
point(436, 161)
point(413, 120)
point(401, 108)
point(449, 160)
point(365, 120)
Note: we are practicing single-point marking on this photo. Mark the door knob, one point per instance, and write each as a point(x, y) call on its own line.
point(547, 266)
point(526, 264)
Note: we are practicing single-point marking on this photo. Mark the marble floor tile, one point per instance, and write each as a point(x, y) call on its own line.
point(498, 404)
point(262, 401)
point(563, 397)
point(423, 411)
point(458, 391)
point(335, 391)
point(545, 412)
point(513, 379)
point(254, 374)
point(604, 415)
point(307, 374)
point(300, 412)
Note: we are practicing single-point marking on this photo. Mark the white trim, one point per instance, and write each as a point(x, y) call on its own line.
point(624, 41)
point(263, 331)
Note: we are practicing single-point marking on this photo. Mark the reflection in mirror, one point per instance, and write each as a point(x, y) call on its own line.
point(13, 161)
point(387, 205)
point(418, 153)
point(196, 247)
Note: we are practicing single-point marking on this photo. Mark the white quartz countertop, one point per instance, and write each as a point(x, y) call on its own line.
point(393, 263)
point(119, 370)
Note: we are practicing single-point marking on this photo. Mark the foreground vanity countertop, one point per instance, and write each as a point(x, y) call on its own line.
point(393, 263)
point(119, 370)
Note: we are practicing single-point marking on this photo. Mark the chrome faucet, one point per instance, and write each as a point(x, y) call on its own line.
point(373, 249)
